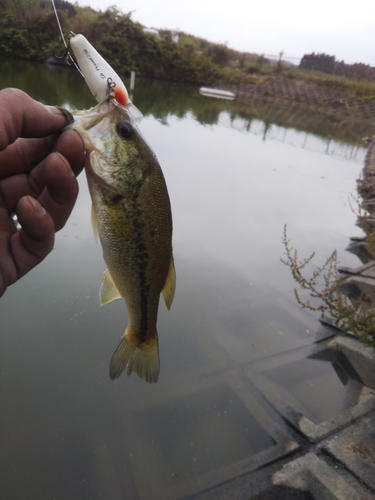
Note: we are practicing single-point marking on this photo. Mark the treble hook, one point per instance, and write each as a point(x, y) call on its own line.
point(66, 56)
point(110, 88)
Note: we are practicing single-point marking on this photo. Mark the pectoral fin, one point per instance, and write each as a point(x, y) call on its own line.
point(170, 285)
point(108, 290)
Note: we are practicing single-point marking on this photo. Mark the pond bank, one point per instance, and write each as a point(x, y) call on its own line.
point(291, 93)
point(307, 95)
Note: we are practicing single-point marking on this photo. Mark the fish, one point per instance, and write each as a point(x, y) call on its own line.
point(131, 215)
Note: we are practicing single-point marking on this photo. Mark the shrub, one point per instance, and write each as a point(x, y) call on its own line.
point(353, 315)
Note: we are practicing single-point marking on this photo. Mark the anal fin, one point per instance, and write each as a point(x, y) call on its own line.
point(170, 284)
point(108, 290)
point(94, 223)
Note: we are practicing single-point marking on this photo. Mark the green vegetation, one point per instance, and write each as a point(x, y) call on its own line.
point(364, 90)
point(28, 30)
point(355, 315)
point(328, 64)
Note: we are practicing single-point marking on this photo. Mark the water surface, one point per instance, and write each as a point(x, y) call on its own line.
point(234, 179)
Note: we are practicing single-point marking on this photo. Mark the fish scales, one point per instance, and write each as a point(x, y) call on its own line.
point(136, 247)
point(132, 215)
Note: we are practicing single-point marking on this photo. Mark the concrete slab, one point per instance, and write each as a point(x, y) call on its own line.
point(316, 432)
point(305, 477)
point(359, 270)
point(254, 486)
point(328, 393)
point(361, 249)
point(369, 272)
point(355, 449)
point(358, 285)
point(221, 428)
point(361, 357)
point(314, 477)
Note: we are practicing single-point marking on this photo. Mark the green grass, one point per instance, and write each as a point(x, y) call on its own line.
point(350, 87)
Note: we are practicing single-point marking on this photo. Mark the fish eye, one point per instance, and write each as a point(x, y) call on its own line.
point(125, 129)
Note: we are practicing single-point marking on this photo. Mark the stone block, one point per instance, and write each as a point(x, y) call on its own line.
point(315, 479)
point(319, 389)
point(360, 357)
point(369, 267)
point(354, 447)
point(218, 430)
point(358, 285)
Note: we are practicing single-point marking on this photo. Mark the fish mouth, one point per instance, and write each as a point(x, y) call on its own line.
point(134, 114)
point(88, 119)
point(92, 124)
point(85, 120)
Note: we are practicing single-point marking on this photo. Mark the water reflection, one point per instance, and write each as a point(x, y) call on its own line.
point(68, 430)
point(50, 84)
point(163, 99)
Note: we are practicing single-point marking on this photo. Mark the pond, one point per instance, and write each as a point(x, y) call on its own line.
point(235, 176)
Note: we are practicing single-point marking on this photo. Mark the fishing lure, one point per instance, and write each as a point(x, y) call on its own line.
point(98, 74)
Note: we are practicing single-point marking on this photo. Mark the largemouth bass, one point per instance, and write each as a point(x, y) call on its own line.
point(131, 213)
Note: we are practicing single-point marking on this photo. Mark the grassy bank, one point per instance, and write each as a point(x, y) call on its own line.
point(28, 30)
point(311, 90)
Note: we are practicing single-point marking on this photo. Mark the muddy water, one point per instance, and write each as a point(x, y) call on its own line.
point(235, 178)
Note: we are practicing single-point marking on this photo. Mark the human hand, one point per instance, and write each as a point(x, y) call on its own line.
point(37, 180)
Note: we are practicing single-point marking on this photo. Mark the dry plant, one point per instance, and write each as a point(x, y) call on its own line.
point(349, 314)
point(364, 220)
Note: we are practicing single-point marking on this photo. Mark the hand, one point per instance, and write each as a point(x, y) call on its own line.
point(37, 180)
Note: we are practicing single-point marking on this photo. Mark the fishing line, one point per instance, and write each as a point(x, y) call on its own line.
point(63, 38)
point(58, 22)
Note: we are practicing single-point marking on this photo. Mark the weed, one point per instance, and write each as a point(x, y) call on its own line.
point(367, 98)
point(349, 314)
point(364, 217)
point(266, 90)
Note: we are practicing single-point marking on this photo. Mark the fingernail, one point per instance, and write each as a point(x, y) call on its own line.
point(36, 206)
point(83, 144)
point(66, 163)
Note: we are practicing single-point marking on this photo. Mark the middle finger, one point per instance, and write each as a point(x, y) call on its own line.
point(21, 156)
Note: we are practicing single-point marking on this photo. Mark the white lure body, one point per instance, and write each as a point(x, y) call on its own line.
point(96, 71)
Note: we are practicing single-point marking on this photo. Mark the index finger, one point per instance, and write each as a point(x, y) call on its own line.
point(21, 116)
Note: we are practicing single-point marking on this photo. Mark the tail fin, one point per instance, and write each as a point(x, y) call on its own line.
point(142, 359)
